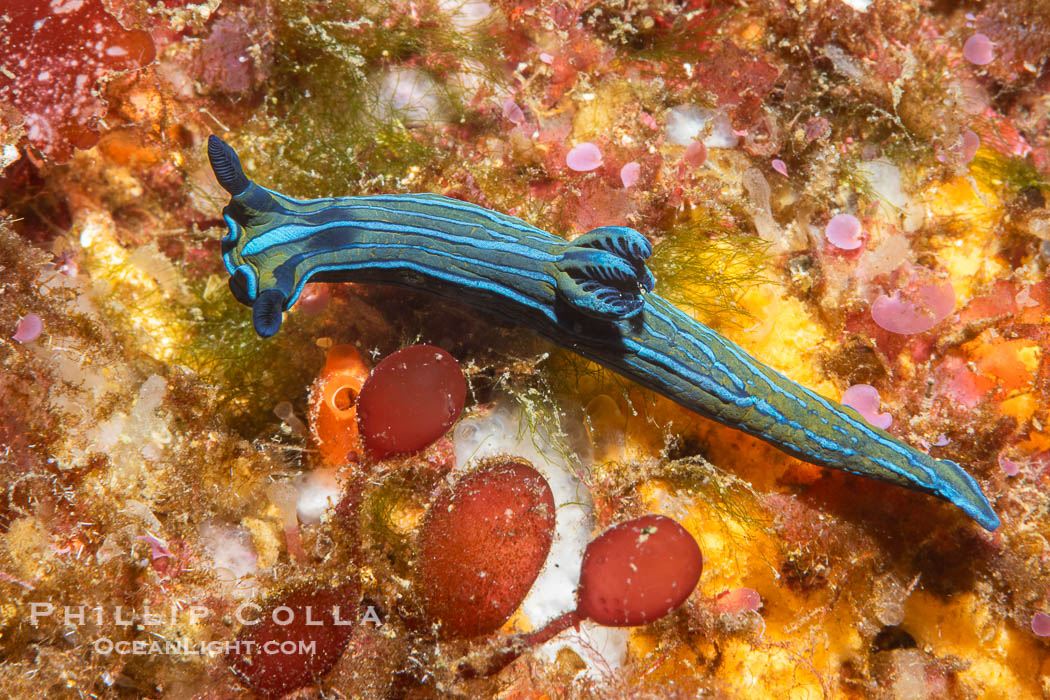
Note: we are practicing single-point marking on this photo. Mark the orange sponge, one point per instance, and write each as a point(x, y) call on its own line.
point(333, 405)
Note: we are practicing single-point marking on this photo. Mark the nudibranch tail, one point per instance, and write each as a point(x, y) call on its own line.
point(592, 295)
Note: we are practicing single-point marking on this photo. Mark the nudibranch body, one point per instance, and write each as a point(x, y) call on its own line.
point(592, 295)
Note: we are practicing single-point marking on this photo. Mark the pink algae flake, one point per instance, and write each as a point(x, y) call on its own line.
point(695, 154)
point(843, 231)
point(56, 52)
point(629, 174)
point(1041, 624)
point(979, 50)
point(912, 311)
point(780, 166)
point(865, 400)
point(513, 112)
point(584, 157)
point(970, 143)
point(29, 328)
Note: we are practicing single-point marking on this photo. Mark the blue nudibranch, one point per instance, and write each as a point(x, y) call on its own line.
point(592, 295)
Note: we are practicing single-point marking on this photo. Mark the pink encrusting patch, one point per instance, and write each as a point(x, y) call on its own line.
point(865, 400)
point(1041, 624)
point(629, 174)
point(963, 386)
point(843, 231)
point(1009, 467)
point(738, 600)
point(584, 157)
point(916, 308)
point(979, 50)
point(314, 299)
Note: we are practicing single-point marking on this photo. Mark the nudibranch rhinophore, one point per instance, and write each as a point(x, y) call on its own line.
point(592, 295)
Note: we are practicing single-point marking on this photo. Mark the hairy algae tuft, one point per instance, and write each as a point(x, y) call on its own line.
point(322, 128)
point(250, 374)
point(996, 171)
point(705, 267)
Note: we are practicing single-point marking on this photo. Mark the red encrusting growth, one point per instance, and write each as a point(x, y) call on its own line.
point(410, 400)
point(272, 657)
point(54, 53)
point(482, 544)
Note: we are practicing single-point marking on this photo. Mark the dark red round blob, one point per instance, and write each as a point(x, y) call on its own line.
point(482, 544)
point(638, 571)
point(270, 657)
point(410, 400)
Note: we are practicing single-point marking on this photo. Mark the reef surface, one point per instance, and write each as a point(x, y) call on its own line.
point(854, 191)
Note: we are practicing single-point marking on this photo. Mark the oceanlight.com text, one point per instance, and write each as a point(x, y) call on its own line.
point(106, 646)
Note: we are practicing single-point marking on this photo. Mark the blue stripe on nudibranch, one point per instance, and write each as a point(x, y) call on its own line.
point(591, 295)
point(293, 233)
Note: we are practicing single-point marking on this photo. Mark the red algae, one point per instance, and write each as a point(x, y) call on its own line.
point(817, 95)
point(482, 545)
point(237, 54)
point(638, 571)
point(296, 639)
point(55, 53)
point(632, 574)
point(410, 400)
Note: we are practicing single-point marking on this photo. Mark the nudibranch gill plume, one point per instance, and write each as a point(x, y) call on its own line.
point(592, 295)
